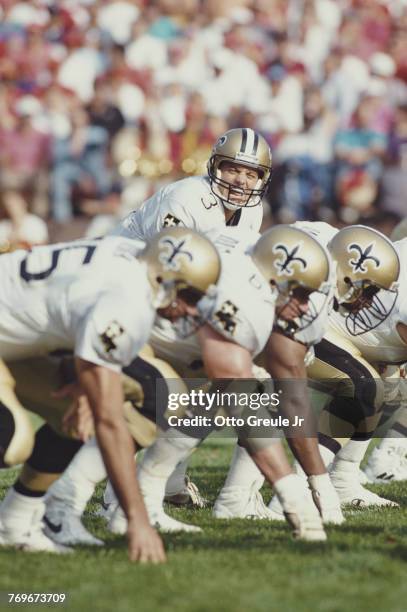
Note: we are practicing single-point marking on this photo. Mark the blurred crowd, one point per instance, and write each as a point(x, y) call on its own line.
point(104, 101)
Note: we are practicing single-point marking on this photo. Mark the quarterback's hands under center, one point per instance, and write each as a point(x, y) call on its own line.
point(144, 544)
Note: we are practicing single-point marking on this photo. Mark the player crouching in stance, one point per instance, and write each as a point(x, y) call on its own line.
point(367, 339)
point(99, 299)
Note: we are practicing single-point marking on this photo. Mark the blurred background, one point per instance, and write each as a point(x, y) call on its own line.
point(104, 101)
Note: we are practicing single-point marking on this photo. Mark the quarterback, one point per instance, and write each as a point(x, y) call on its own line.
point(77, 296)
point(239, 172)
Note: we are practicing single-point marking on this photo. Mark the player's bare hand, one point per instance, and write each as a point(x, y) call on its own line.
point(145, 545)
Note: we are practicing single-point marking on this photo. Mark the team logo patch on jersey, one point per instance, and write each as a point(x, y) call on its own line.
point(209, 202)
point(225, 316)
point(285, 265)
point(113, 331)
point(171, 221)
point(172, 253)
point(363, 255)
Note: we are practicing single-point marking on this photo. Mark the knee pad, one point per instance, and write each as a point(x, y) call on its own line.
point(52, 453)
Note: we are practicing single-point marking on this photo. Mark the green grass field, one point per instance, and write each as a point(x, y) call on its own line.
point(233, 565)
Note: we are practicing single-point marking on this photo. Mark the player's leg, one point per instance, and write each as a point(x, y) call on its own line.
point(153, 377)
point(347, 424)
point(293, 492)
point(240, 496)
point(22, 510)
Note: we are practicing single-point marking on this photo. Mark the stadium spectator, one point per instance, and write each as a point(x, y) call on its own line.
point(79, 161)
point(307, 189)
point(359, 154)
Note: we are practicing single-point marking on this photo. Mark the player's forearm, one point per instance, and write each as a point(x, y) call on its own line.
point(303, 441)
point(285, 363)
point(117, 449)
point(104, 391)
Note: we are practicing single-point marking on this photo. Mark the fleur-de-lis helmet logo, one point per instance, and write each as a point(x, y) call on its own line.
point(286, 264)
point(172, 254)
point(363, 255)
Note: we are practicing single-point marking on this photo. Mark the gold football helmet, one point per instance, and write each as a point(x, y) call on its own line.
point(295, 264)
point(245, 147)
point(368, 268)
point(180, 262)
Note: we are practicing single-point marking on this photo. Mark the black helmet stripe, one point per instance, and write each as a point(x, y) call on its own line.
point(255, 143)
point(244, 141)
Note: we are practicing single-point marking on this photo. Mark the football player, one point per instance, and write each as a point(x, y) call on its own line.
point(78, 296)
point(239, 173)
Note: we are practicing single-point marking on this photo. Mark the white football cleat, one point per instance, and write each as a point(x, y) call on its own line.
point(31, 539)
point(351, 492)
point(158, 519)
point(387, 464)
point(326, 501)
point(364, 478)
point(188, 496)
point(304, 518)
point(276, 509)
point(63, 526)
point(240, 502)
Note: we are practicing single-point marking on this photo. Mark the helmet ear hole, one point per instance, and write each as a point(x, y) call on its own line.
point(159, 279)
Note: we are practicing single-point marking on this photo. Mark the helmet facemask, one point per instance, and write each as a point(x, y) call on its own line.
point(316, 302)
point(368, 269)
point(188, 324)
point(366, 305)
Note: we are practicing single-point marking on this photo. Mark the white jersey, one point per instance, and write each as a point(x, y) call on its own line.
point(241, 310)
point(323, 304)
point(188, 203)
point(383, 344)
point(92, 297)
